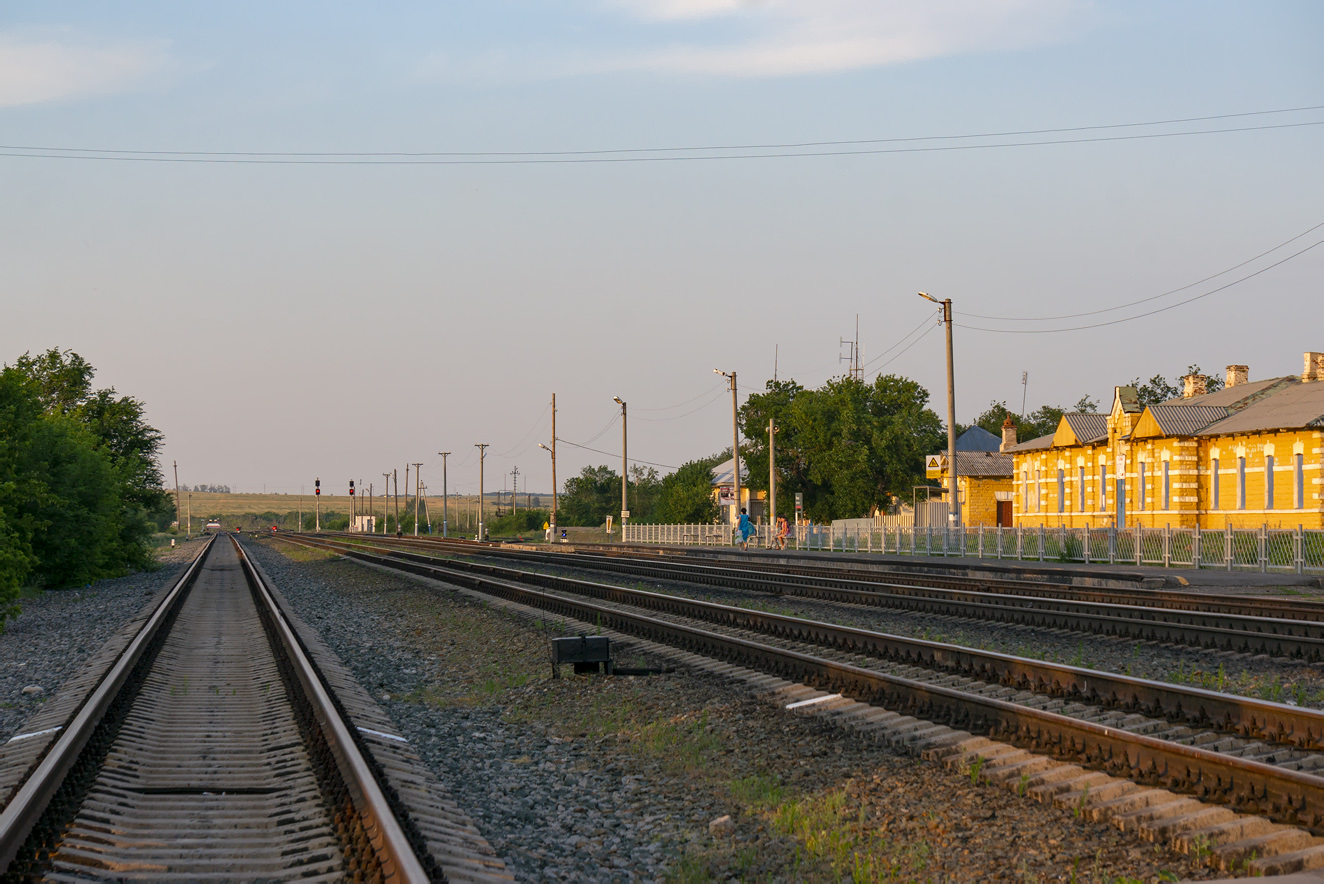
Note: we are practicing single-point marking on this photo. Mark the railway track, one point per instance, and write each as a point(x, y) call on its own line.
point(214, 747)
point(1245, 625)
point(1249, 755)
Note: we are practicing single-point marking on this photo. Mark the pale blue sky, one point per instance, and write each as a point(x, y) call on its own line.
point(290, 321)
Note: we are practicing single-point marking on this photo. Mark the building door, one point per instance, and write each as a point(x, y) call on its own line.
point(1121, 503)
point(1004, 513)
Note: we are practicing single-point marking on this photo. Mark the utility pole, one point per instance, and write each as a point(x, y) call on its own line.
point(418, 490)
point(772, 477)
point(625, 470)
point(954, 510)
point(300, 509)
point(514, 485)
point(445, 496)
point(189, 535)
point(482, 453)
point(395, 474)
point(386, 499)
point(554, 488)
point(177, 509)
point(735, 441)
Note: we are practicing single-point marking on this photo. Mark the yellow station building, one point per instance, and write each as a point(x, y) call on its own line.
point(1246, 455)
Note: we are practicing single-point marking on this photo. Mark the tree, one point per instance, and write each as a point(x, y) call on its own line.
point(1042, 421)
point(1159, 390)
point(589, 497)
point(78, 476)
point(849, 447)
point(686, 496)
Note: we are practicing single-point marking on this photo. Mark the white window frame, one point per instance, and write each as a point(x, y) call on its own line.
point(1268, 481)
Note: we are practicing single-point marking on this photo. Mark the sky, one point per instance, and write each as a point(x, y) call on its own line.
point(324, 240)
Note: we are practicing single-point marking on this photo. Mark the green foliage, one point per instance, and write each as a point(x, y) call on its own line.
point(590, 497)
point(848, 446)
point(686, 496)
point(519, 522)
point(1159, 390)
point(79, 485)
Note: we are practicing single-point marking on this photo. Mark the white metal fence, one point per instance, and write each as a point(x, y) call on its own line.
point(1265, 549)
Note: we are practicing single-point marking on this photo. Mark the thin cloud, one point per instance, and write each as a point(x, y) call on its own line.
point(769, 38)
point(34, 71)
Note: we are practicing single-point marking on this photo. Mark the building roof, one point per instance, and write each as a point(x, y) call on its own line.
point(1295, 406)
point(1234, 398)
point(1031, 445)
point(1181, 420)
point(983, 463)
point(723, 473)
point(977, 439)
point(1087, 428)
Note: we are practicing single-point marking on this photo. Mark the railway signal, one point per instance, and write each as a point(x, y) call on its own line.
point(351, 504)
point(317, 503)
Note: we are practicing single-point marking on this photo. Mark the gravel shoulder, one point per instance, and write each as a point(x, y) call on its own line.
point(58, 630)
point(1268, 678)
point(589, 778)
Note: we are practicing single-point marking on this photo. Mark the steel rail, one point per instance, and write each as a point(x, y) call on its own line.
point(1302, 614)
point(1248, 786)
point(387, 836)
point(35, 794)
point(1243, 634)
point(1245, 716)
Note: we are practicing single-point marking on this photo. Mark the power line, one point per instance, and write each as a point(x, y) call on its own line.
point(715, 396)
point(1151, 297)
point(665, 466)
point(671, 149)
point(902, 353)
point(923, 323)
point(551, 158)
point(1044, 331)
point(687, 401)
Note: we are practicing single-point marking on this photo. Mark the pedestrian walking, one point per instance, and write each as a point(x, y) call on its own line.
point(745, 527)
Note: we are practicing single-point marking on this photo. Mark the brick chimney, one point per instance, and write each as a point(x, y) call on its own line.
point(1237, 375)
point(1314, 370)
point(1194, 386)
point(1008, 434)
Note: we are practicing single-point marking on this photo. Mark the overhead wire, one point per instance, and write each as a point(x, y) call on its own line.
point(721, 386)
point(714, 397)
point(666, 466)
point(538, 422)
point(659, 155)
point(1151, 297)
point(880, 368)
point(923, 323)
point(1040, 331)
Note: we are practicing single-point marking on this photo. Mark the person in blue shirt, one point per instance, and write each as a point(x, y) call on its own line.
point(745, 527)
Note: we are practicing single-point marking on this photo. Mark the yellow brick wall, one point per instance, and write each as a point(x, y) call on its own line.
point(1191, 482)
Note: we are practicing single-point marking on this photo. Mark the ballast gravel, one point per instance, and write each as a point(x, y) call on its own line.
point(58, 630)
point(1279, 679)
point(595, 778)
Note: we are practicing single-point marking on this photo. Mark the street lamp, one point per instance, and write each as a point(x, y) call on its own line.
point(954, 510)
point(625, 480)
point(735, 441)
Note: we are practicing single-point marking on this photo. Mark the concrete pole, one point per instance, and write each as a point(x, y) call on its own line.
point(177, 508)
point(418, 492)
point(189, 535)
point(514, 487)
point(954, 511)
point(395, 474)
point(386, 499)
point(772, 476)
point(445, 497)
point(482, 453)
point(554, 488)
point(735, 439)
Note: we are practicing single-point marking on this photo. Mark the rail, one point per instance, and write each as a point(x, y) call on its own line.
point(1285, 550)
point(1283, 793)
